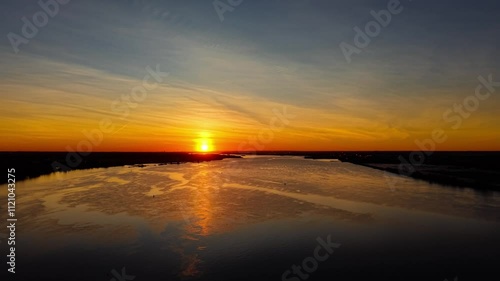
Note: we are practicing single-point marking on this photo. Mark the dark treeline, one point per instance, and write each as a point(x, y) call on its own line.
point(34, 164)
point(478, 170)
point(474, 169)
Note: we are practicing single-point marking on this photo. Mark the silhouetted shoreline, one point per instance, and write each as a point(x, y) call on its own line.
point(477, 170)
point(35, 164)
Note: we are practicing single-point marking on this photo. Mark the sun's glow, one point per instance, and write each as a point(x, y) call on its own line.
point(204, 147)
point(204, 143)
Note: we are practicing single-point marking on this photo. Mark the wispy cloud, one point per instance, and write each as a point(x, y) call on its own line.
point(227, 77)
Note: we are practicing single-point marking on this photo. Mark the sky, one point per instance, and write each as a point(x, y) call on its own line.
point(251, 75)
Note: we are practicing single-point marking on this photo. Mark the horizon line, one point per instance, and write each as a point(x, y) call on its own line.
point(239, 152)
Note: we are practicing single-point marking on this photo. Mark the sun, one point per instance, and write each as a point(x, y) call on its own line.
point(204, 147)
point(204, 143)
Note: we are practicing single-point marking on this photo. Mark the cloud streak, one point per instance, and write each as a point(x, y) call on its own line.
point(226, 78)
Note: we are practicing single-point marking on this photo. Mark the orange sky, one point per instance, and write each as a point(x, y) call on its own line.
point(276, 84)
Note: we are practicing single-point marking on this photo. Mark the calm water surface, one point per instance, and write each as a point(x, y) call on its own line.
point(251, 219)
